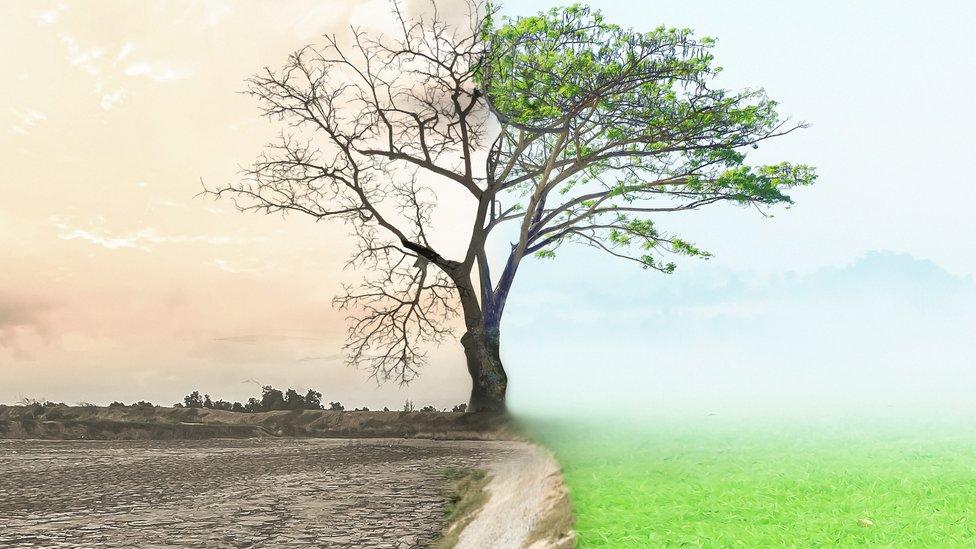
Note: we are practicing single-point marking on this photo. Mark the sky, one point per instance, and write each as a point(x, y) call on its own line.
point(116, 283)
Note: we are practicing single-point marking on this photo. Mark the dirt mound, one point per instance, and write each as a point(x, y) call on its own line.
point(60, 422)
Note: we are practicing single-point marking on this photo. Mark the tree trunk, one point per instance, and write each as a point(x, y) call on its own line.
point(488, 379)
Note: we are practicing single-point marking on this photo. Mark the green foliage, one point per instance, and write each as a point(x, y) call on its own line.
point(546, 254)
point(634, 127)
point(546, 68)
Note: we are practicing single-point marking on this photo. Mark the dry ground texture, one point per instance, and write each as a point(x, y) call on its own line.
point(256, 492)
point(142, 485)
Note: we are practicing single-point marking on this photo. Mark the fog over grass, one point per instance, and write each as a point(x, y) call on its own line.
point(887, 334)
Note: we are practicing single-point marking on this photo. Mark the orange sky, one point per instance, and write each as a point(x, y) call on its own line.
point(116, 283)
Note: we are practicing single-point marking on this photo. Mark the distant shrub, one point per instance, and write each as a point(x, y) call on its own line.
point(54, 413)
point(33, 411)
point(363, 409)
point(143, 404)
point(428, 409)
point(385, 409)
point(117, 404)
point(460, 408)
point(408, 406)
point(336, 407)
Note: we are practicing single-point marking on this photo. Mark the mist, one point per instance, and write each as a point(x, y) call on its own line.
point(884, 335)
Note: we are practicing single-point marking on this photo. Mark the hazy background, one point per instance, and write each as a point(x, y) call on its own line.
point(115, 284)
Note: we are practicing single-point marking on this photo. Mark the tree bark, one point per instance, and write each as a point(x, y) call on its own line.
point(488, 379)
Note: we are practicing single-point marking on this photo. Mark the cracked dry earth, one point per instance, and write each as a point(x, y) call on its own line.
point(242, 493)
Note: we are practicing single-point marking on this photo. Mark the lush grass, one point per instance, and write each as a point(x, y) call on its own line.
point(710, 483)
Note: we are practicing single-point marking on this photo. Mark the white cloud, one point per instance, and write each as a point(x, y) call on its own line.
point(49, 17)
point(157, 72)
point(229, 267)
point(108, 242)
point(124, 51)
point(83, 58)
point(26, 119)
point(142, 239)
point(112, 99)
point(215, 11)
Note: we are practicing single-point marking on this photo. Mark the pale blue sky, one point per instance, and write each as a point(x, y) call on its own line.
point(861, 293)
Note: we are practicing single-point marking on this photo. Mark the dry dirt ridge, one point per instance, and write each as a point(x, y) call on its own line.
point(164, 423)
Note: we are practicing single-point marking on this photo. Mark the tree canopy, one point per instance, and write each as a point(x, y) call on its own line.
point(559, 127)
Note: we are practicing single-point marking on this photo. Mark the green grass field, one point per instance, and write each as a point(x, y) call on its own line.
point(716, 483)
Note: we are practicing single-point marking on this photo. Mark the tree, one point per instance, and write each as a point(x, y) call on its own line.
point(313, 400)
point(253, 405)
point(293, 400)
point(558, 128)
point(193, 400)
point(221, 404)
point(272, 399)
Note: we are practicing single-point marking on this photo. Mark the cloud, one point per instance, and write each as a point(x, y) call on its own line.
point(110, 100)
point(215, 11)
point(21, 320)
point(142, 239)
point(25, 120)
point(83, 58)
point(156, 71)
point(124, 51)
point(326, 358)
point(49, 17)
point(253, 339)
point(229, 267)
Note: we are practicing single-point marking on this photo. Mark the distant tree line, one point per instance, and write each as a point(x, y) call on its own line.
point(274, 399)
point(271, 399)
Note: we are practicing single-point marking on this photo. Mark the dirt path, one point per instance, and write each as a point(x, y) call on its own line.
point(527, 505)
point(264, 492)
